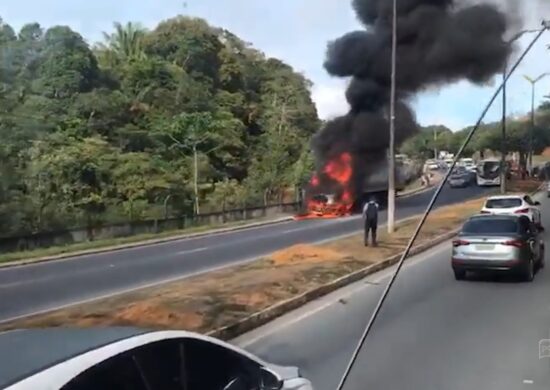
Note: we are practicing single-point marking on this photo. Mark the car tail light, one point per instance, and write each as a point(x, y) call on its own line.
point(460, 243)
point(516, 243)
point(522, 211)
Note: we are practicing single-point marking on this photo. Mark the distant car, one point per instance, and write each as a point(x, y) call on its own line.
point(469, 164)
point(514, 204)
point(509, 243)
point(133, 359)
point(459, 178)
point(432, 165)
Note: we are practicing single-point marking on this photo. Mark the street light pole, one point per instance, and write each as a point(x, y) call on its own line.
point(533, 83)
point(391, 162)
point(504, 147)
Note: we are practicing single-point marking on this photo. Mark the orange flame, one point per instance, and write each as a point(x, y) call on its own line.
point(339, 171)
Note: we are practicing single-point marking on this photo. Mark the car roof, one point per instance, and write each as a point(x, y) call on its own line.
point(28, 351)
point(516, 196)
point(497, 216)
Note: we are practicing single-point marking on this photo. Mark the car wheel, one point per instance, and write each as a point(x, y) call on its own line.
point(460, 274)
point(529, 272)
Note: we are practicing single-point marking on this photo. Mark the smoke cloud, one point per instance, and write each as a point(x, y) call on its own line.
point(439, 41)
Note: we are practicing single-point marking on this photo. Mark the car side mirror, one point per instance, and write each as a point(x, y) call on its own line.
point(270, 380)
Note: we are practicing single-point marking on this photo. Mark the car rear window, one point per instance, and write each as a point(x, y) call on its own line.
point(504, 203)
point(490, 226)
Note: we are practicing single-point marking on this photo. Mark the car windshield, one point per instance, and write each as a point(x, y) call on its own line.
point(503, 203)
point(205, 164)
point(490, 226)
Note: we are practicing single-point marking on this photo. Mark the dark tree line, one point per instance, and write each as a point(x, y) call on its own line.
point(186, 116)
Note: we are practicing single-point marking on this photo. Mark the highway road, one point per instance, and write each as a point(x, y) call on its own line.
point(40, 287)
point(434, 333)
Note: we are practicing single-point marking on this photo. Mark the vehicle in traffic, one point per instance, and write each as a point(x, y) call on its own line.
point(461, 178)
point(521, 204)
point(131, 358)
point(432, 165)
point(469, 164)
point(488, 173)
point(510, 243)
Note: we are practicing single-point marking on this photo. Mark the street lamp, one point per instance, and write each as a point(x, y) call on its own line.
point(391, 162)
point(503, 149)
point(533, 83)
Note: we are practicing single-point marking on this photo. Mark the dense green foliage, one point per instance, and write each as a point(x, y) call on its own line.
point(488, 137)
point(187, 115)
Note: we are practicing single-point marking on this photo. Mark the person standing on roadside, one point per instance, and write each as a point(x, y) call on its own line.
point(370, 219)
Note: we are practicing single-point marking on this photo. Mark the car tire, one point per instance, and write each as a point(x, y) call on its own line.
point(529, 271)
point(460, 274)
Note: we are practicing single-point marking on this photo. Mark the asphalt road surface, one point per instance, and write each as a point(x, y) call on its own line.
point(433, 333)
point(34, 288)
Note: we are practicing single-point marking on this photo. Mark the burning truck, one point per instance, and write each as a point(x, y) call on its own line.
point(438, 42)
point(331, 192)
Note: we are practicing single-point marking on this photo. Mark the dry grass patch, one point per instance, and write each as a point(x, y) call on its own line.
point(210, 301)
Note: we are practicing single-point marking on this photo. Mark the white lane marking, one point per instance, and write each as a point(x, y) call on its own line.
point(383, 274)
point(192, 251)
point(143, 245)
point(528, 381)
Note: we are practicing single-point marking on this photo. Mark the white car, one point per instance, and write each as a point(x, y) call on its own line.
point(469, 164)
point(514, 204)
point(114, 358)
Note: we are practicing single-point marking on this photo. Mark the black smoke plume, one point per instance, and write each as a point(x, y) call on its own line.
point(439, 41)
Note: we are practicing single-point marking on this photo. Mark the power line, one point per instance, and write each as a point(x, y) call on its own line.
point(407, 250)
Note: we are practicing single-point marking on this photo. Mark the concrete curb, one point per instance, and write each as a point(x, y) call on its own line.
point(267, 315)
point(114, 248)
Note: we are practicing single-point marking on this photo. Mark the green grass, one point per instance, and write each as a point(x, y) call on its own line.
point(105, 243)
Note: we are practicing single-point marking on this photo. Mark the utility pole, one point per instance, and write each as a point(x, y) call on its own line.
point(533, 83)
point(503, 148)
point(435, 144)
point(391, 162)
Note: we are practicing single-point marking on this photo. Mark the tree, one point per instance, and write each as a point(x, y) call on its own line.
point(67, 65)
point(186, 116)
point(199, 134)
point(140, 180)
point(124, 45)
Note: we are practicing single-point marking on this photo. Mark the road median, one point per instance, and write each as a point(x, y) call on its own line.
point(237, 299)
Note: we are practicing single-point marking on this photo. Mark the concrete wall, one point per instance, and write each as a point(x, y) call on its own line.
point(72, 236)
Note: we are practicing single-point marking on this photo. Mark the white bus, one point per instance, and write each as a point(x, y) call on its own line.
point(488, 173)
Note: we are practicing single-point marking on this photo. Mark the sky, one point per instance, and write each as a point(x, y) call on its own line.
point(297, 31)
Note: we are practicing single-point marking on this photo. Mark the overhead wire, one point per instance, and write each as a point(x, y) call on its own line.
point(429, 208)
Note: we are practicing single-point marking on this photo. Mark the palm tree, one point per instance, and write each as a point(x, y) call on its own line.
point(124, 44)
